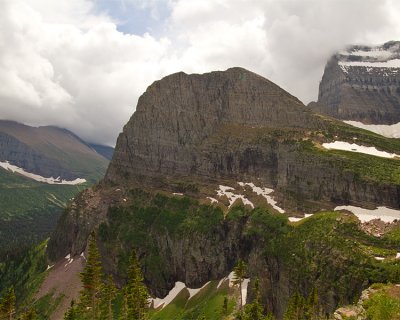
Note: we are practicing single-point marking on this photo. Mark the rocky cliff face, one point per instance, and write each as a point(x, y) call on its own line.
point(176, 118)
point(211, 129)
point(362, 84)
point(225, 126)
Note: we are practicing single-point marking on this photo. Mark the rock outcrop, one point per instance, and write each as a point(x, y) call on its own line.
point(362, 84)
point(177, 116)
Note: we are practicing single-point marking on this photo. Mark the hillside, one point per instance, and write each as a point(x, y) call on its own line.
point(41, 170)
point(200, 145)
point(49, 151)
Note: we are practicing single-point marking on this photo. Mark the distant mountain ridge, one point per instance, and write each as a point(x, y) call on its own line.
point(362, 83)
point(106, 151)
point(33, 163)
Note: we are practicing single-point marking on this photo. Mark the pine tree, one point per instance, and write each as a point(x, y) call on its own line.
point(124, 312)
point(107, 295)
point(136, 293)
point(29, 315)
point(295, 309)
point(91, 281)
point(238, 275)
point(311, 311)
point(71, 312)
point(254, 311)
point(225, 306)
point(7, 304)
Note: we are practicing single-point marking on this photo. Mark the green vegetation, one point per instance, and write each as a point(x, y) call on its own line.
point(238, 276)
point(134, 227)
point(29, 211)
point(364, 167)
point(25, 274)
point(255, 310)
point(98, 297)
point(384, 304)
point(210, 303)
point(7, 305)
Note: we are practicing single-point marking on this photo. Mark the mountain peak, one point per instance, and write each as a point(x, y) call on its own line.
point(361, 83)
point(177, 114)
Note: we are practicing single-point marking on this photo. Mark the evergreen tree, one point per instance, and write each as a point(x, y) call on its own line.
point(136, 293)
point(91, 281)
point(311, 311)
point(296, 308)
point(124, 312)
point(225, 306)
point(107, 295)
point(7, 305)
point(238, 275)
point(29, 315)
point(255, 310)
point(71, 313)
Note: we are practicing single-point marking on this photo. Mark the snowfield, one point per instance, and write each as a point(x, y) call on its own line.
point(179, 286)
point(7, 166)
point(364, 215)
point(346, 146)
point(232, 197)
point(265, 192)
point(388, 131)
point(394, 63)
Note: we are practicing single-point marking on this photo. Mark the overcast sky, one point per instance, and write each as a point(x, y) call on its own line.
point(82, 64)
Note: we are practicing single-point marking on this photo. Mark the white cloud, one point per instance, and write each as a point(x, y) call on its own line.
point(62, 63)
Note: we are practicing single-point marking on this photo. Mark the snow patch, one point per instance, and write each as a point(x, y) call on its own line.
point(295, 219)
point(245, 284)
point(193, 292)
point(177, 194)
point(7, 166)
point(265, 192)
point(69, 259)
point(221, 282)
point(232, 197)
point(231, 278)
point(213, 200)
point(376, 53)
point(398, 255)
point(364, 215)
point(379, 258)
point(341, 145)
point(394, 63)
point(179, 286)
point(388, 131)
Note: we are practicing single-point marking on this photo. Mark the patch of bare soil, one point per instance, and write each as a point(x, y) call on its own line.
point(63, 280)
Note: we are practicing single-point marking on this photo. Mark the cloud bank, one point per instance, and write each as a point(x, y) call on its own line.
point(67, 63)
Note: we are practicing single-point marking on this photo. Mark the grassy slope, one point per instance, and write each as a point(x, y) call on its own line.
point(29, 210)
point(208, 303)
